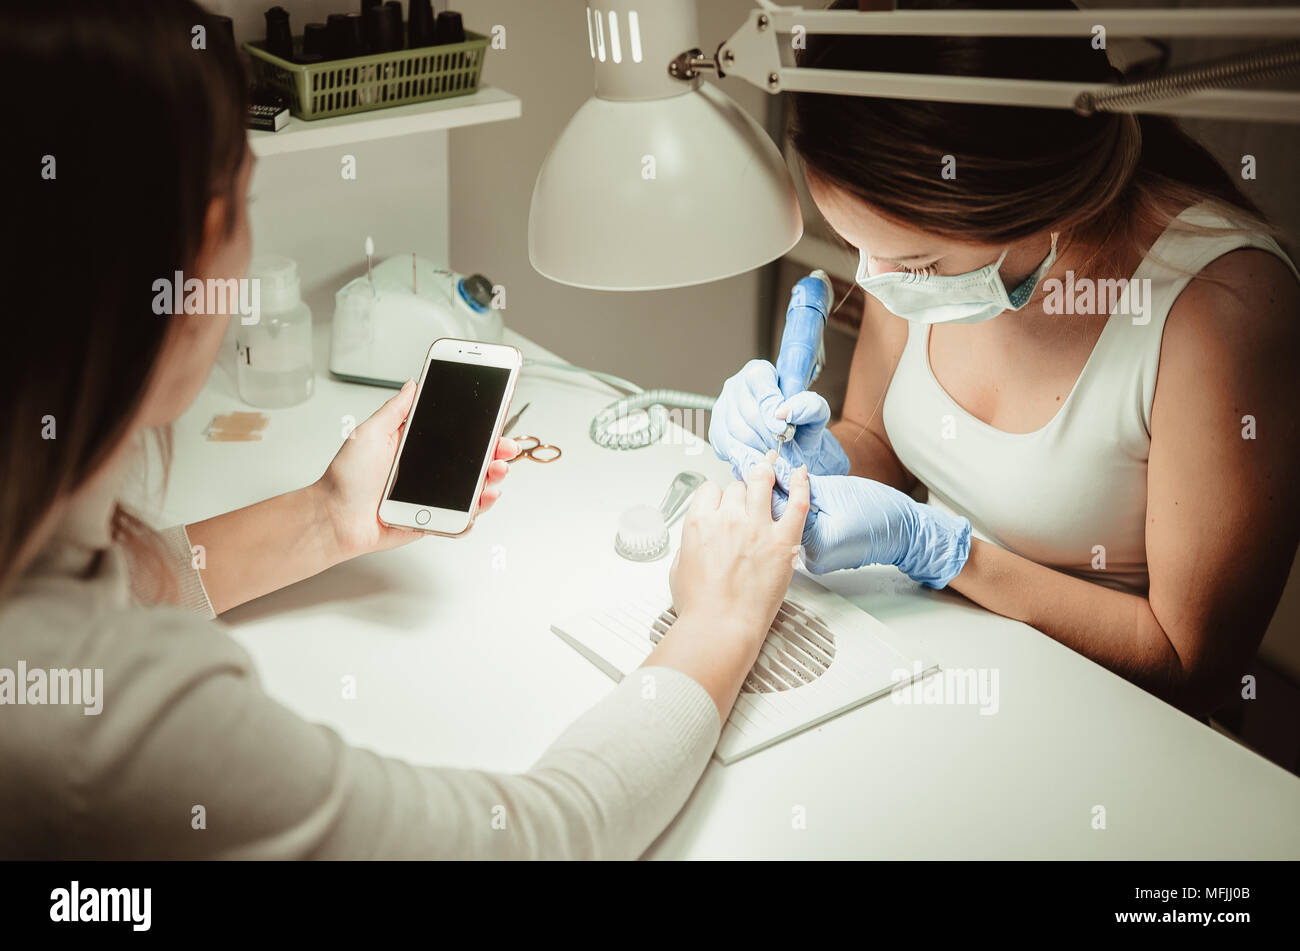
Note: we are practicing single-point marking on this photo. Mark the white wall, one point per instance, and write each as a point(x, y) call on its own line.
point(304, 208)
point(690, 338)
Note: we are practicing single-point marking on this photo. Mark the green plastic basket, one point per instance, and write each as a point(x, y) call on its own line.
point(342, 86)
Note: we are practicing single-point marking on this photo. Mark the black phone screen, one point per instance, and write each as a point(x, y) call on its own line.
point(450, 427)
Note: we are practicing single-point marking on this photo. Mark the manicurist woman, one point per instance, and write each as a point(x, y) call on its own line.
point(1118, 473)
point(150, 175)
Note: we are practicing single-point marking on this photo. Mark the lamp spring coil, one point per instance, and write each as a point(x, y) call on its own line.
point(1230, 70)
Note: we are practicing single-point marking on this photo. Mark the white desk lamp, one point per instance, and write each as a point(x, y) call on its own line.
point(660, 180)
point(657, 181)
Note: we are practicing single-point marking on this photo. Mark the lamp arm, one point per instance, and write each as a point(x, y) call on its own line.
point(753, 53)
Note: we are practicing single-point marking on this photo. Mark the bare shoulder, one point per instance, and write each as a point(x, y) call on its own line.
point(1246, 302)
point(881, 339)
point(1224, 410)
point(1237, 323)
point(888, 332)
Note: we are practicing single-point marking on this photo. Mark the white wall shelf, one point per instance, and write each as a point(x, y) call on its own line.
point(488, 104)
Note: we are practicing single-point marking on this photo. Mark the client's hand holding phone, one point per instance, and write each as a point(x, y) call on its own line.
point(347, 491)
point(450, 446)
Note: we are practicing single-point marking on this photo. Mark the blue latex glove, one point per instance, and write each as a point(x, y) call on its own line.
point(856, 522)
point(813, 445)
point(745, 424)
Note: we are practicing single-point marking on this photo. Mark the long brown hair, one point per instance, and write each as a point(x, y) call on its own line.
point(1107, 181)
point(130, 120)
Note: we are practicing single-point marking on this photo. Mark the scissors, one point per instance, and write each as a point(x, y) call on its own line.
point(537, 450)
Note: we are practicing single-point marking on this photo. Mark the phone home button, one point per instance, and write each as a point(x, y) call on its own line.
point(422, 517)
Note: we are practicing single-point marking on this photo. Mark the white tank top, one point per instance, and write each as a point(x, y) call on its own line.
point(1073, 494)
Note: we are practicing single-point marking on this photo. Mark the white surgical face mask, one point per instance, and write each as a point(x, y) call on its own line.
point(951, 299)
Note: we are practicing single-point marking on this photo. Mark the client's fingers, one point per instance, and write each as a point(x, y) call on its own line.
point(490, 495)
point(389, 417)
point(707, 498)
point(733, 497)
point(758, 486)
point(796, 507)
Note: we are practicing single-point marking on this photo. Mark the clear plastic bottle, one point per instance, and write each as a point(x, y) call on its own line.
point(274, 356)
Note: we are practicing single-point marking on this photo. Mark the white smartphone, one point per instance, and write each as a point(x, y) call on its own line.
point(450, 436)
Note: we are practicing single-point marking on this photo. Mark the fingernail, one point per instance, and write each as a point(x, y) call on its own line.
point(803, 472)
point(407, 385)
point(770, 455)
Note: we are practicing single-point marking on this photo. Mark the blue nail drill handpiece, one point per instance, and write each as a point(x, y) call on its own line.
point(801, 355)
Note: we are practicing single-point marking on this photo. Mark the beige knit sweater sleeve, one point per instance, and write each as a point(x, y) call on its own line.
point(193, 596)
point(190, 758)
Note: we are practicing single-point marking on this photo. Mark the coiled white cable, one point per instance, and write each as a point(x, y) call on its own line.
point(653, 402)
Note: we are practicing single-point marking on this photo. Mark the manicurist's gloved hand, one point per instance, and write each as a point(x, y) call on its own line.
point(751, 413)
point(813, 445)
point(856, 522)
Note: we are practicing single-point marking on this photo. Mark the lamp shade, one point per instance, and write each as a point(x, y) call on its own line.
point(655, 182)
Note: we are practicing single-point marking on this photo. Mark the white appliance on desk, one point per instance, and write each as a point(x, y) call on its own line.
point(384, 322)
point(821, 657)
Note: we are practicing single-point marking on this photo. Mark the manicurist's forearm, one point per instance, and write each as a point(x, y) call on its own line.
point(1116, 629)
point(263, 547)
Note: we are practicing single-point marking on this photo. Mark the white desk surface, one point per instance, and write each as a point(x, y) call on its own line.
point(449, 642)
